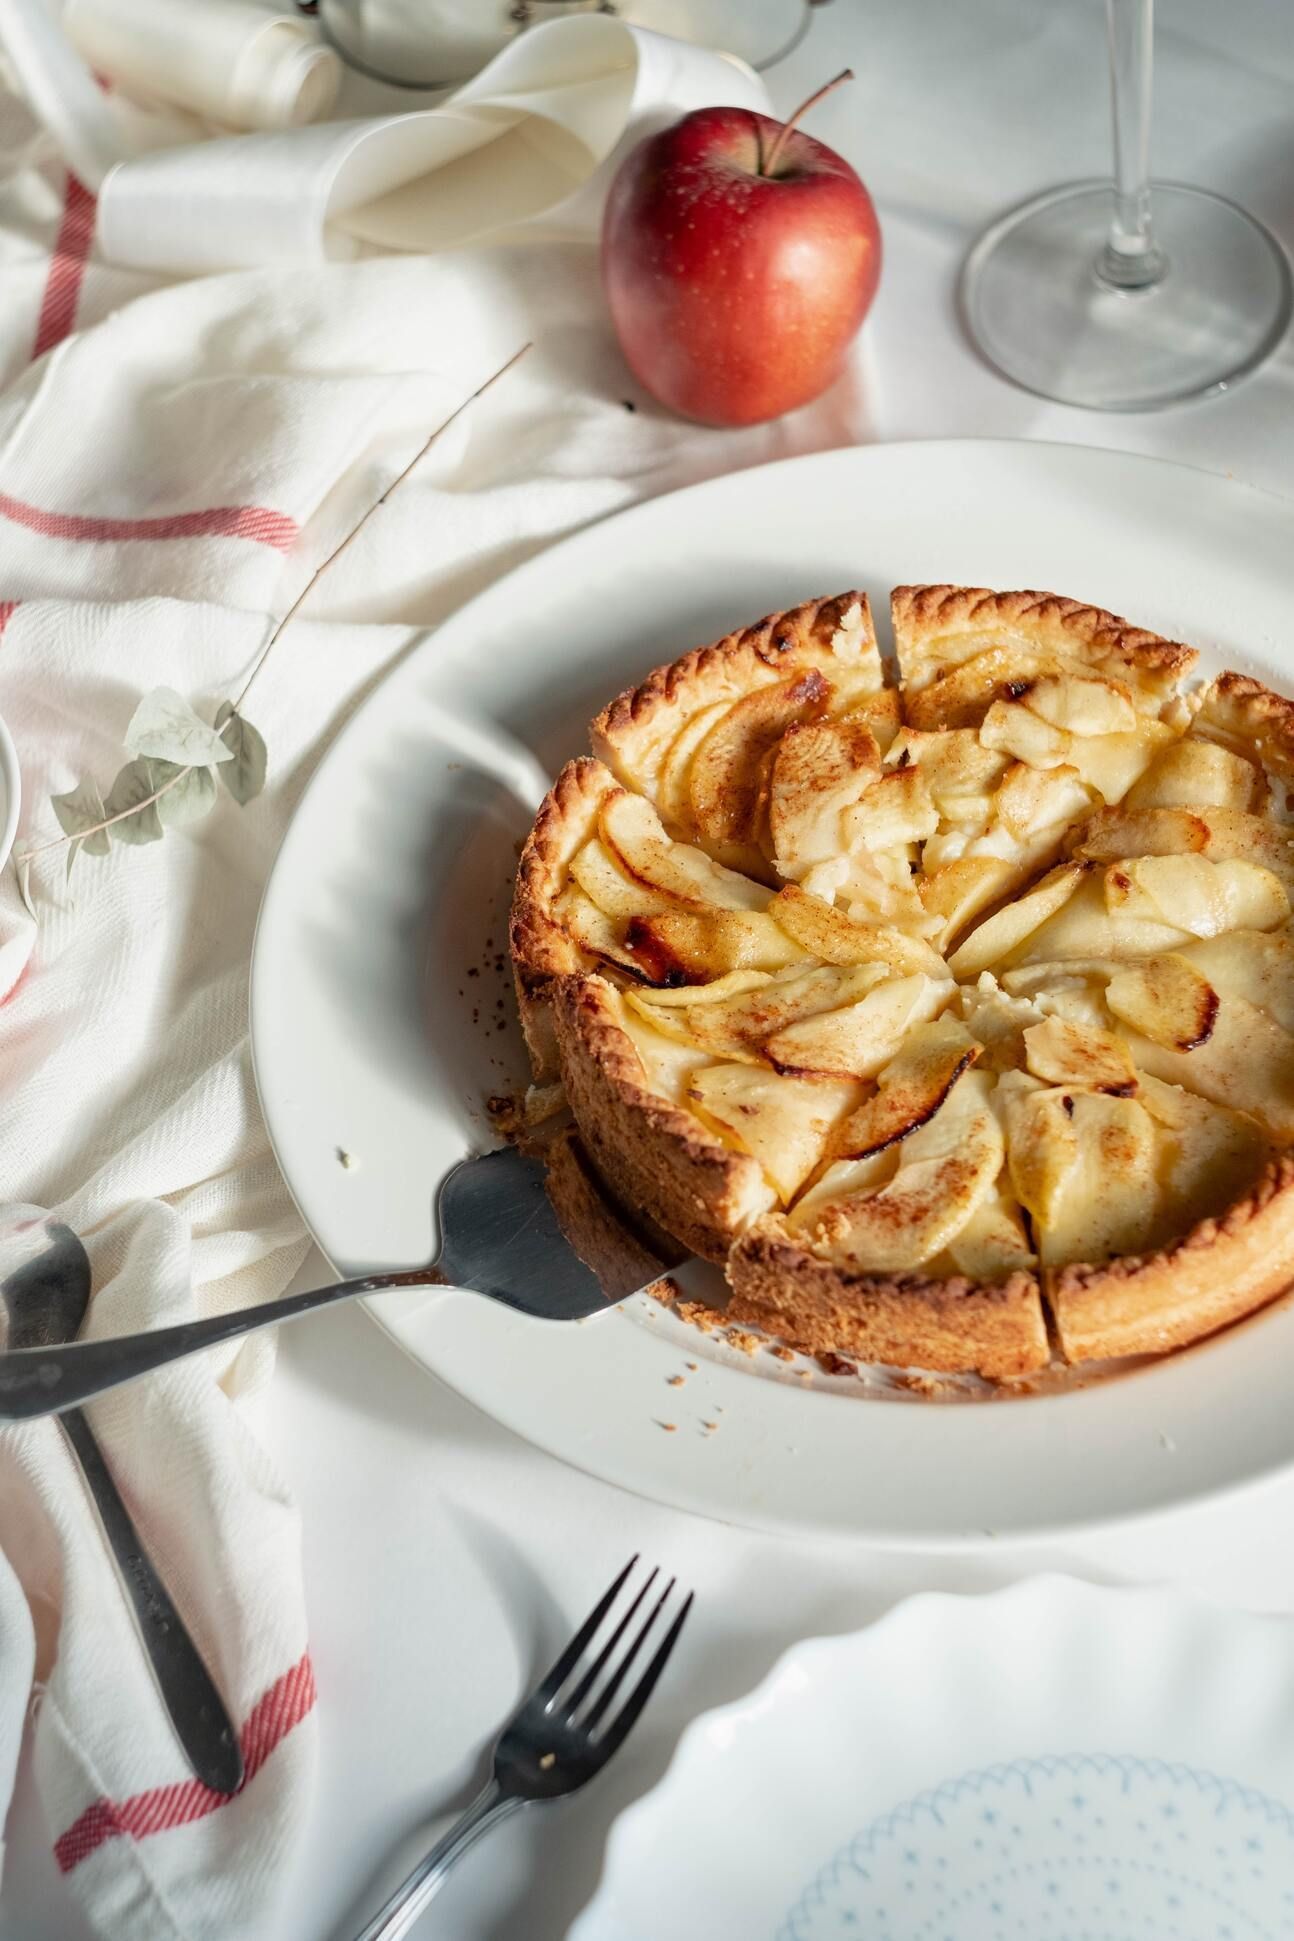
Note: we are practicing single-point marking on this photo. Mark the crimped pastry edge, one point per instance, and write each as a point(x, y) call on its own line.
point(1256, 716)
point(926, 617)
point(541, 949)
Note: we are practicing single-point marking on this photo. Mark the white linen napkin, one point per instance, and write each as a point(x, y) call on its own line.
point(528, 146)
point(172, 466)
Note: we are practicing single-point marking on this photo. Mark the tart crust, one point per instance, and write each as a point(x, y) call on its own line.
point(1222, 1269)
point(661, 1160)
point(951, 1325)
point(541, 949)
point(1244, 710)
point(937, 628)
point(652, 1153)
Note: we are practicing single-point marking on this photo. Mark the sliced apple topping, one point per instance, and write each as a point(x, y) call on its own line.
point(957, 892)
point(961, 774)
point(1084, 1164)
point(736, 1016)
point(1208, 1154)
point(874, 890)
point(946, 1170)
point(637, 839)
point(1201, 897)
point(1255, 965)
point(1219, 835)
point(784, 1123)
point(1108, 763)
point(672, 780)
point(1168, 1000)
point(592, 929)
point(993, 1243)
point(997, 1022)
point(894, 811)
point(1003, 933)
point(668, 1065)
point(818, 770)
point(694, 946)
point(1081, 704)
point(1246, 1061)
point(856, 1040)
point(1079, 1056)
point(1086, 928)
point(615, 892)
point(724, 781)
point(909, 1090)
point(1194, 773)
point(827, 933)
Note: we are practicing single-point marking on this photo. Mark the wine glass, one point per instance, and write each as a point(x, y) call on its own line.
point(1120, 296)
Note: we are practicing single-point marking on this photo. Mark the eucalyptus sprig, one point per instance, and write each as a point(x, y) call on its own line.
point(170, 779)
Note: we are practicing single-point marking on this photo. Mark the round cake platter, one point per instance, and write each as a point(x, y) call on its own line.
point(382, 1018)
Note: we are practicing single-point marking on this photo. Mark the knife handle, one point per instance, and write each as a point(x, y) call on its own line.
point(187, 1689)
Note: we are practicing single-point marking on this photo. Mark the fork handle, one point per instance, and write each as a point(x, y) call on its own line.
point(397, 1916)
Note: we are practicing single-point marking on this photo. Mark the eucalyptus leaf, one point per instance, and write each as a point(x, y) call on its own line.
point(187, 800)
point(131, 790)
point(244, 776)
point(81, 809)
point(165, 726)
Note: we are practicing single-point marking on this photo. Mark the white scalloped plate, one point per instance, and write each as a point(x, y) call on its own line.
point(381, 1011)
point(1055, 1762)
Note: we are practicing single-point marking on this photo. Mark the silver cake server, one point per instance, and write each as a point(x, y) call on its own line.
point(500, 1236)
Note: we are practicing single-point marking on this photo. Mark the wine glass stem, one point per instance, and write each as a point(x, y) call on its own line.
point(1131, 260)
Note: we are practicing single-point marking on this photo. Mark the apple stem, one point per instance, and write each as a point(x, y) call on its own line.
point(779, 140)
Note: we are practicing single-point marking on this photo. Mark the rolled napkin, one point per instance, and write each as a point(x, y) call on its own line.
point(232, 62)
point(528, 147)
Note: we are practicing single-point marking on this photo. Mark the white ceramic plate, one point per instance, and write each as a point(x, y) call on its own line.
point(381, 1011)
point(1054, 1762)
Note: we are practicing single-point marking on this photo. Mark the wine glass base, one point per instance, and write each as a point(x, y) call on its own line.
point(1036, 303)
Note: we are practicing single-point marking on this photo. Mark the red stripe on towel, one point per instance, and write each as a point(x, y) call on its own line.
point(67, 268)
point(256, 522)
point(288, 1701)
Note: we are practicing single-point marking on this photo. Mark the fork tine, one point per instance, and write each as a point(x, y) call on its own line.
point(596, 1669)
point(627, 1717)
point(617, 1678)
point(566, 1664)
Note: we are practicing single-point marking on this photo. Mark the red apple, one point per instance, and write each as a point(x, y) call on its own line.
point(739, 257)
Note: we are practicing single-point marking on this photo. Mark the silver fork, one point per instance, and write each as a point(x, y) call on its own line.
point(551, 1745)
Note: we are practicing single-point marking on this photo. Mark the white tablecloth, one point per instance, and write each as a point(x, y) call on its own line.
point(444, 1558)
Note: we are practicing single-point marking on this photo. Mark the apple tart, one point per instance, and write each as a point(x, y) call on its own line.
point(953, 1017)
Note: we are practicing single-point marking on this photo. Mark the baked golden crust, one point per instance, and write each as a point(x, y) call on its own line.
point(952, 1325)
point(938, 627)
point(653, 1154)
point(1242, 710)
point(633, 731)
point(1222, 1269)
point(541, 948)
